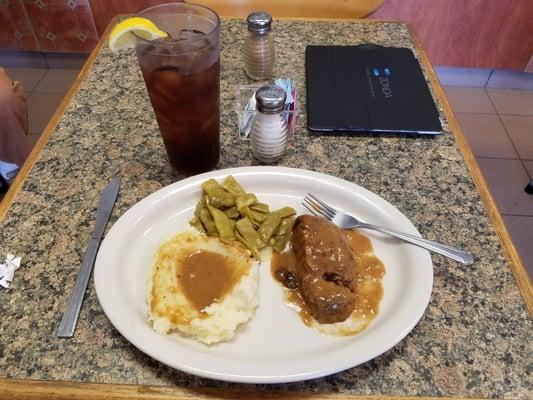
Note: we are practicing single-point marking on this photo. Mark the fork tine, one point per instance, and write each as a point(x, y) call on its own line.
point(310, 206)
point(310, 210)
point(309, 202)
point(330, 209)
point(323, 207)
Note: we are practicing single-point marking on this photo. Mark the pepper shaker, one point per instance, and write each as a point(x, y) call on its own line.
point(269, 133)
point(259, 53)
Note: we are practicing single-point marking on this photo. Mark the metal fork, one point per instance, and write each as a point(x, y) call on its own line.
point(342, 220)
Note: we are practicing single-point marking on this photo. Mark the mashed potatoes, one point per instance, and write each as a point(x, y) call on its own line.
point(202, 287)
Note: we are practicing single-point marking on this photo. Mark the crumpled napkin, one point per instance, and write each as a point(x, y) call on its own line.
point(7, 270)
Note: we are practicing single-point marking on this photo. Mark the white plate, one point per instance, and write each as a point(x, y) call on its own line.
point(275, 346)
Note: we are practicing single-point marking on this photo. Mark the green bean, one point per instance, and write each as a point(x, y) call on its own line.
point(245, 228)
point(258, 216)
point(231, 185)
point(286, 212)
point(245, 243)
point(196, 223)
point(198, 207)
point(246, 212)
point(232, 213)
point(222, 224)
point(245, 200)
point(260, 207)
point(269, 226)
point(283, 234)
point(227, 211)
point(207, 220)
point(216, 196)
point(285, 226)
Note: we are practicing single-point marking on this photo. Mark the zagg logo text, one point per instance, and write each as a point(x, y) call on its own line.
point(385, 86)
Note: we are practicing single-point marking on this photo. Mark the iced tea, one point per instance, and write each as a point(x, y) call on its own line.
point(182, 76)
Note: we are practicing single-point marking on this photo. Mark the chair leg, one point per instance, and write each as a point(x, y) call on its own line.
point(529, 187)
point(3, 185)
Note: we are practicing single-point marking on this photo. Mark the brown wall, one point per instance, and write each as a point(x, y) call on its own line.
point(47, 25)
point(470, 33)
point(104, 10)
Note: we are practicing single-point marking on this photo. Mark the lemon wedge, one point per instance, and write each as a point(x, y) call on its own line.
point(122, 37)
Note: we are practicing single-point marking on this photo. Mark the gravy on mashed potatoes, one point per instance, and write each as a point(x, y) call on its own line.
point(202, 287)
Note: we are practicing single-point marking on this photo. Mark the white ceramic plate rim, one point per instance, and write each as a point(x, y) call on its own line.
point(195, 360)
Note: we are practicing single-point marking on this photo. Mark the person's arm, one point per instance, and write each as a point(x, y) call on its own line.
point(14, 146)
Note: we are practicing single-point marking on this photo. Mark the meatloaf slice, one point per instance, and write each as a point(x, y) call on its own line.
point(325, 268)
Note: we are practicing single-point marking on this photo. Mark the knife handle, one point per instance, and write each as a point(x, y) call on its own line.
point(70, 317)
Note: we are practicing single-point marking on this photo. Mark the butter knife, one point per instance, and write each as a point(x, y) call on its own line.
point(70, 317)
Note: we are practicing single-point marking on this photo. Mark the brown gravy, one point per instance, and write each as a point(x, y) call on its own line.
point(206, 277)
point(368, 288)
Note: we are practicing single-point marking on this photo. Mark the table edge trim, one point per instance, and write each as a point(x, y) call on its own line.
point(20, 389)
point(517, 266)
point(39, 389)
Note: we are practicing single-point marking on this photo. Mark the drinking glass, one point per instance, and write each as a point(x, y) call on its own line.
point(182, 76)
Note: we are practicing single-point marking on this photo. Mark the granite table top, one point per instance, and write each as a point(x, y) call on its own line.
point(475, 339)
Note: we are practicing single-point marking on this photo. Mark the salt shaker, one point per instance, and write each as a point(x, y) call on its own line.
point(269, 134)
point(259, 53)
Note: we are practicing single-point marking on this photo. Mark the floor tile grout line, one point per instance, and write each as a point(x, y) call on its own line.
point(494, 113)
point(508, 88)
point(49, 93)
point(46, 60)
point(488, 79)
point(490, 101)
point(516, 115)
point(35, 91)
point(515, 147)
point(37, 84)
point(496, 158)
point(477, 113)
point(463, 86)
point(517, 215)
point(510, 138)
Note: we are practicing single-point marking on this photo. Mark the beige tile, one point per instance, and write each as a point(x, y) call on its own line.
point(471, 100)
point(56, 81)
point(29, 77)
point(506, 180)
point(520, 129)
point(512, 101)
point(521, 231)
point(41, 107)
point(529, 167)
point(66, 60)
point(486, 135)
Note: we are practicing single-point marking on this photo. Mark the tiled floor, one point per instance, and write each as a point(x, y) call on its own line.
point(44, 88)
point(496, 116)
point(494, 109)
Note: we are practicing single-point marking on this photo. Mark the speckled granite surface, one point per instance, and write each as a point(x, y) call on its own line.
point(475, 338)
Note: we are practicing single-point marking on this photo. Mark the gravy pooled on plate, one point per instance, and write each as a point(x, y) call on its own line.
point(331, 276)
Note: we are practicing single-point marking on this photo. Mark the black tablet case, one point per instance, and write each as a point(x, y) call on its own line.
point(368, 89)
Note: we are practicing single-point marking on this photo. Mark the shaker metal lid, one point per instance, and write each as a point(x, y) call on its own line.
point(259, 21)
point(270, 99)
